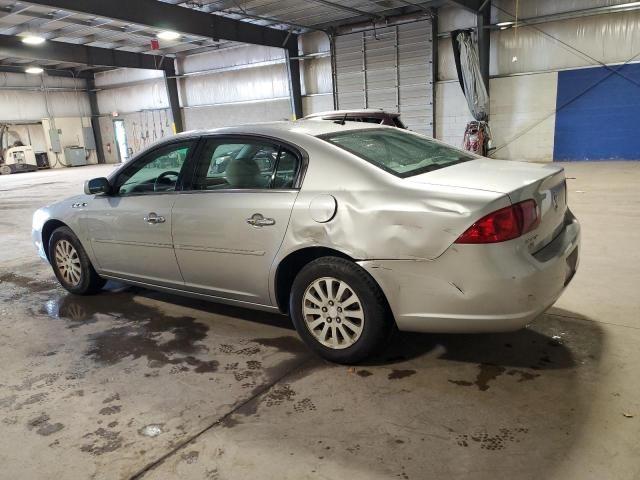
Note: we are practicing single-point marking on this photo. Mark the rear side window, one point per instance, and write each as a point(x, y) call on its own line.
point(244, 164)
point(397, 151)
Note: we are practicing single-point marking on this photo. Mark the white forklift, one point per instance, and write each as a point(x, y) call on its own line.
point(17, 157)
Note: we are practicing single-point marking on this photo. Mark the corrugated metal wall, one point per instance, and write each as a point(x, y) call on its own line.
point(223, 87)
point(388, 68)
point(525, 62)
point(28, 102)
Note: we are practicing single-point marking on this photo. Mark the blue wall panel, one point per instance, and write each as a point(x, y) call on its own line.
point(598, 115)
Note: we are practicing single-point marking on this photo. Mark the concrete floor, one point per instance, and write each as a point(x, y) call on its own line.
point(136, 384)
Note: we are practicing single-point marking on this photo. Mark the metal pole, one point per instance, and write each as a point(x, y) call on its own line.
point(171, 82)
point(334, 71)
point(295, 90)
point(95, 118)
point(434, 68)
point(484, 43)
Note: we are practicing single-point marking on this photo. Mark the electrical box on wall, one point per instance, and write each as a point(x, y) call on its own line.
point(89, 138)
point(75, 156)
point(54, 135)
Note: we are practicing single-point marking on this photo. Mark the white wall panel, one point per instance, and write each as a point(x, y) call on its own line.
point(610, 38)
point(24, 80)
point(229, 57)
point(237, 85)
point(523, 116)
point(313, 42)
point(317, 103)
point(21, 105)
point(316, 75)
point(452, 113)
point(453, 18)
point(537, 8)
point(126, 75)
point(133, 98)
point(237, 114)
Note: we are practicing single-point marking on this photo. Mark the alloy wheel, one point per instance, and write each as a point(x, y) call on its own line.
point(68, 262)
point(333, 313)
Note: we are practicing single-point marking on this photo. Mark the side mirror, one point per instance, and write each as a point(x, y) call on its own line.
point(96, 186)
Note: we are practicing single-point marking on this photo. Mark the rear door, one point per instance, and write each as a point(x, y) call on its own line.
point(229, 224)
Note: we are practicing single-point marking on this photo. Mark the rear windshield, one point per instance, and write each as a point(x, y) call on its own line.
point(397, 151)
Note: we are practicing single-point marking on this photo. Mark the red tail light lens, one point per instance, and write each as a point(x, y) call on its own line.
point(504, 224)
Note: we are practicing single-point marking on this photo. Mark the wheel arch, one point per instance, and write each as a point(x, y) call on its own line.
point(47, 230)
point(291, 265)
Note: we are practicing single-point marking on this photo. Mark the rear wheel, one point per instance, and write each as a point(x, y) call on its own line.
point(339, 310)
point(71, 264)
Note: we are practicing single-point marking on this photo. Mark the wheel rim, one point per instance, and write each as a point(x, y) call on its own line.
point(333, 313)
point(68, 262)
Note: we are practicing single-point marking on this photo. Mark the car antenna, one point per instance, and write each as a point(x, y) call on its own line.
point(344, 119)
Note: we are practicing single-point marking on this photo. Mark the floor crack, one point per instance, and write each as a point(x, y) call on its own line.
point(151, 466)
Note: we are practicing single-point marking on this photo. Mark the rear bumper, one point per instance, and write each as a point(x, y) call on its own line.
point(479, 288)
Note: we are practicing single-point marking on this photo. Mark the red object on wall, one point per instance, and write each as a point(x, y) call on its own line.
point(155, 44)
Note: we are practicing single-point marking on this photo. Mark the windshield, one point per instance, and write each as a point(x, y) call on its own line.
point(397, 151)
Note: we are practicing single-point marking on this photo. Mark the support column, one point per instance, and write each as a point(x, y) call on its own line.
point(484, 42)
point(434, 69)
point(171, 82)
point(295, 90)
point(95, 118)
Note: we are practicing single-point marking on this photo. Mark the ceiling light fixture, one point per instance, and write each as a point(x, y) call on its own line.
point(504, 24)
point(33, 40)
point(168, 35)
point(34, 70)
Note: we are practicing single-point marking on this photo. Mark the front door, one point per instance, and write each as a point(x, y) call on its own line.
point(130, 230)
point(229, 226)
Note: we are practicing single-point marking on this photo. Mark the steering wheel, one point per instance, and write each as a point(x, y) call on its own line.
point(164, 181)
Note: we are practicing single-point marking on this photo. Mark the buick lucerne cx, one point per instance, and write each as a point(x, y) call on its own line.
point(351, 229)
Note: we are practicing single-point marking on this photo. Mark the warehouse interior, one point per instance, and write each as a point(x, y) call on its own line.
point(134, 384)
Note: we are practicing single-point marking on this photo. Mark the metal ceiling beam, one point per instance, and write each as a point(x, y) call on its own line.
point(73, 53)
point(52, 73)
point(165, 16)
point(347, 9)
point(472, 5)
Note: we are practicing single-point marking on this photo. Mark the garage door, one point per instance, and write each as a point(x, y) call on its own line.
point(597, 114)
point(388, 68)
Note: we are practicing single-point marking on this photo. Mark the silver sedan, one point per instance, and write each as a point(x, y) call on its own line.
point(352, 230)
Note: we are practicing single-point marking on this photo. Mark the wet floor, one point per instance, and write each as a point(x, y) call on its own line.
point(136, 384)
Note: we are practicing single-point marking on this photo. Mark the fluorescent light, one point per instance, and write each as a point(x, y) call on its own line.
point(34, 70)
point(504, 24)
point(169, 35)
point(33, 40)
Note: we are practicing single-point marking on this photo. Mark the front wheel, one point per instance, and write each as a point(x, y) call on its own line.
point(71, 264)
point(339, 310)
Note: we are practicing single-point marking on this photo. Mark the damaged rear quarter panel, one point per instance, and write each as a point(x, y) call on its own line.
point(380, 216)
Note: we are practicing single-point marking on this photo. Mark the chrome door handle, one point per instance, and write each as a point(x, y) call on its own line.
point(257, 220)
point(154, 218)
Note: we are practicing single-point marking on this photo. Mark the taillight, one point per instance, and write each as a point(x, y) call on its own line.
point(504, 224)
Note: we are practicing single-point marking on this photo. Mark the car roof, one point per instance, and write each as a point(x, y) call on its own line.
point(288, 130)
point(362, 112)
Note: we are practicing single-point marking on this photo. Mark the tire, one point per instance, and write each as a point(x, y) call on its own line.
point(339, 310)
point(71, 264)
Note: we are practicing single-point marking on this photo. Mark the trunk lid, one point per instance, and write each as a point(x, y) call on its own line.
point(519, 181)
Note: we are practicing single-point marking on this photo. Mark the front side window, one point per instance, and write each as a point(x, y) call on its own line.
point(156, 172)
point(244, 164)
point(397, 151)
